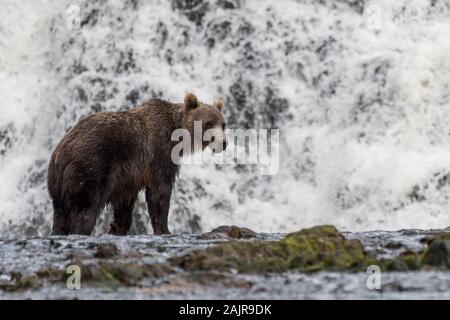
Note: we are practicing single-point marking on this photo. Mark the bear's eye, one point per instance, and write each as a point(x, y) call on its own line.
point(223, 126)
point(208, 125)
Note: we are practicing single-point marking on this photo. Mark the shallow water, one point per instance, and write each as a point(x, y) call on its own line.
point(29, 255)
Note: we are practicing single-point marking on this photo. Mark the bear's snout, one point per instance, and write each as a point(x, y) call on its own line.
point(221, 147)
point(218, 146)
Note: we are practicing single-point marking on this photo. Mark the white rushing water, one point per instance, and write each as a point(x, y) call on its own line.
point(359, 90)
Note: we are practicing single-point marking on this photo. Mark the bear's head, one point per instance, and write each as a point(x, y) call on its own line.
point(205, 123)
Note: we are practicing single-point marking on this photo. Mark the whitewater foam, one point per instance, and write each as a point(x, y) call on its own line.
point(362, 108)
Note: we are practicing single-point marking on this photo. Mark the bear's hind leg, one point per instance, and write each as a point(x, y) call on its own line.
point(123, 214)
point(59, 220)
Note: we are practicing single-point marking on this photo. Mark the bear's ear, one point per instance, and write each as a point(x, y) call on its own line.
point(218, 104)
point(190, 101)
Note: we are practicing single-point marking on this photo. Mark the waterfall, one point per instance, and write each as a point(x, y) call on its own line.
point(360, 91)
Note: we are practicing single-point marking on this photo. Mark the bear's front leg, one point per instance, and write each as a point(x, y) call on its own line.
point(158, 202)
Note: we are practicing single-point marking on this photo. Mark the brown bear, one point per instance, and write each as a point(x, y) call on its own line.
point(109, 157)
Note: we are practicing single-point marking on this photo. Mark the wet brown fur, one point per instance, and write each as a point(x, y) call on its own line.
point(108, 157)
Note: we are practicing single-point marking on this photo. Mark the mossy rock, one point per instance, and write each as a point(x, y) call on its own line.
point(21, 282)
point(228, 232)
point(123, 274)
point(437, 236)
point(106, 251)
point(313, 249)
point(437, 254)
point(407, 261)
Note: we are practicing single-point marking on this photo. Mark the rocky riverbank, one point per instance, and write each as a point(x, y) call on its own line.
point(229, 262)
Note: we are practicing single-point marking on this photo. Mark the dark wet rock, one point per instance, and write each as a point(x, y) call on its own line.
point(436, 236)
point(106, 251)
point(228, 232)
point(314, 249)
point(393, 245)
point(437, 254)
point(123, 274)
point(51, 274)
point(406, 261)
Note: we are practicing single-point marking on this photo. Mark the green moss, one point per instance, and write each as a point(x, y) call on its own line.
point(308, 250)
point(438, 236)
point(407, 261)
point(21, 282)
point(123, 274)
point(437, 254)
